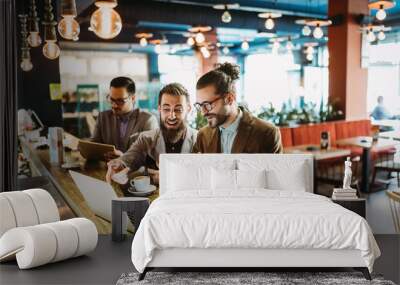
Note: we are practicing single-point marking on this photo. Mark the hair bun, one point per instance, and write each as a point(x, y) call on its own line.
point(232, 70)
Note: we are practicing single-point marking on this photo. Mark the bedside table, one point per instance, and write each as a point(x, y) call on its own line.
point(355, 205)
point(135, 207)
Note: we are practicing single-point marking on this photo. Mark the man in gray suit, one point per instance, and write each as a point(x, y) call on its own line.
point(173, 136)
point(121, 125)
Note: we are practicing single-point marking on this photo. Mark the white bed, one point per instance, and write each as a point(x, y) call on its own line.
point(247, 210)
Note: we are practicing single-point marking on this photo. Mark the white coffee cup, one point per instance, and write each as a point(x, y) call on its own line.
point(141, 183)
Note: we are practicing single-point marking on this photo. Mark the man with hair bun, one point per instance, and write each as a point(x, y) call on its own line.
point(231, 129)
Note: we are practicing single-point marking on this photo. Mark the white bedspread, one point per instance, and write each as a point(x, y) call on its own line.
point(251, 218)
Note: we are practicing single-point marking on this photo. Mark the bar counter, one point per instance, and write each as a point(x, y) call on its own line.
point(62, 180)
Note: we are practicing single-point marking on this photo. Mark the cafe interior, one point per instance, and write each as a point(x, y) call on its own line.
point(325, 73)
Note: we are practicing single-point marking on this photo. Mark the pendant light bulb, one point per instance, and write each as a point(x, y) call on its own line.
point(34, 39)
point(245, 45)
point(190, 41)
point(371, 36)
point(381, 14)
point(105, 22)
point(200, 38)
point(26, 64)
point(226, 17)
point(68, 27)
point(143, 42)
point(309, 56)
point(318, 33)
point(158, 49)
point(225, 50)
point(309, 49)
point(306, 31)
point(51, 50)
point(269, 24)
point(381, 35)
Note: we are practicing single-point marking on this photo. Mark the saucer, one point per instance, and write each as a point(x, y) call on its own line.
point(148, 192)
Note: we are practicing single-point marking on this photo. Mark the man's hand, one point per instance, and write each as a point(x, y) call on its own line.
point(154, 175)
point(113, 154)
point(114, 166)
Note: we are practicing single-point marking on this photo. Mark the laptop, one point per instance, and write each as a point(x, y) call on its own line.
point(98, 195)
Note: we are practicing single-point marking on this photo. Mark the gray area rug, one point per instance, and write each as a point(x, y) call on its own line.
point(231, 278)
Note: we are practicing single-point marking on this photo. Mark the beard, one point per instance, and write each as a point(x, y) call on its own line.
point(173, 133)
point(216, 120)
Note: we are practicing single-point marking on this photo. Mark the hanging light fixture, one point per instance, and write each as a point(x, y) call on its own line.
point(200, 38)
point(381, 6)
point(245, 45)
point(158, 44)
point(50, 49)
point(34, 38)
point(381, 14)
point(190, 41)
point(374, 32)
point(309, 50)
point(225, 50)
point(26, 63)
point(371, 35)
point(226, 16)
point(199, 33)
point(275, 45)
point(306, 31)
point(205, 52)
point(318, 33)
point(289, 45)
point(269, 16)
point(143, 38)
point(105, 22)
point(381, 35)
point(68, 27)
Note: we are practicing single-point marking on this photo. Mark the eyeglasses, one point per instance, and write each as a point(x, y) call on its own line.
point(177, 111)
point(207, 105)
point(119, 102)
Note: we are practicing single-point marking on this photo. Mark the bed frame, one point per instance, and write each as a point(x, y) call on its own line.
point(246, 259)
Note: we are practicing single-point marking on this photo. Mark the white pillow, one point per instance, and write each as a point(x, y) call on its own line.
point(223, 179)
point(251, 178)
point(294, 179)
point(182, 177)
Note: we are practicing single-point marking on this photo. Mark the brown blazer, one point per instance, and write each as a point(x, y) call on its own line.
point(254, 136)
point(107, 131)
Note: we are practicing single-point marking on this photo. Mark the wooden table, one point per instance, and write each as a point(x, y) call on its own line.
point(40, 160)
point(366, 143)
point(394, 135)
point(317, 152)
point(318, 155)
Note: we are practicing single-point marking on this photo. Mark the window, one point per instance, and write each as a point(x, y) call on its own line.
point(270, 78)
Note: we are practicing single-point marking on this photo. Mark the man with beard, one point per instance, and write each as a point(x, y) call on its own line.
point(173, 136)
point(231, 129)
point(121, 125)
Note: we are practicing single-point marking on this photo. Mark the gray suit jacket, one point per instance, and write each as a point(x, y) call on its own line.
point(107, 131)
point(152, 144)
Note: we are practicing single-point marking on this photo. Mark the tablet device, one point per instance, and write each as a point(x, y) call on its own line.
point(94, 151)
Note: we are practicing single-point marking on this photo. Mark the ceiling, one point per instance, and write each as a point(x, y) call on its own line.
point(170, 19)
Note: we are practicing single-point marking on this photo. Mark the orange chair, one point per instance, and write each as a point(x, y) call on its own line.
point(286, 136)
point(311, 134)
